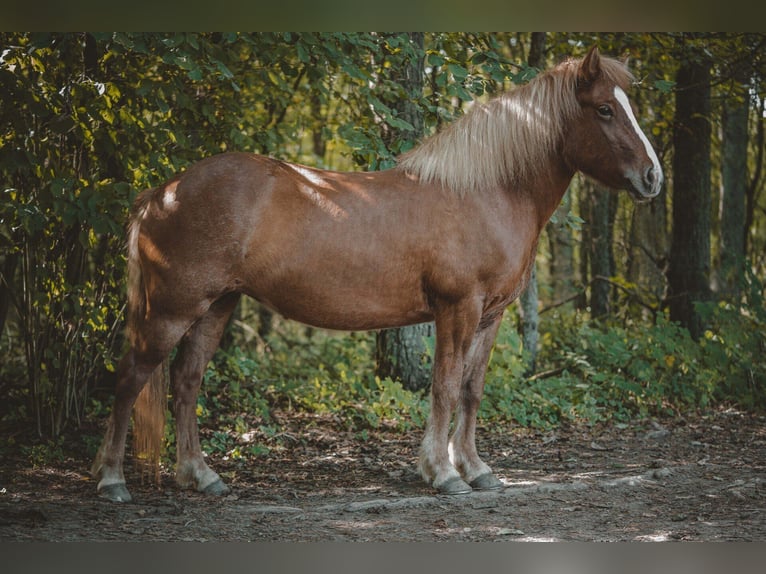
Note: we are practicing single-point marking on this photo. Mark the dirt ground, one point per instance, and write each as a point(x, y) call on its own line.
point(698, 479)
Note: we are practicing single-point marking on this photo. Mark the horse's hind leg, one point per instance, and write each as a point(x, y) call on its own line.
point(154, 340)
point(132, 374)
point(194, 353)
point(463, 443)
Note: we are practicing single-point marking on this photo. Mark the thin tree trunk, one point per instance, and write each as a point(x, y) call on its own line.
point(6, 281)
point(561, 245)
point(760, 141)
point(689, 266)
point(731, 266)
point(599, 247)
point(529, 316)
point(648, 247)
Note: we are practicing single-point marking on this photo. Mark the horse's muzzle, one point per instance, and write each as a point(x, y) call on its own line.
point(647, 185)
point(653, 181)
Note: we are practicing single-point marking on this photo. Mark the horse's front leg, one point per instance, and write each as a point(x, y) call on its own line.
point(463, 452)
point(455, 326)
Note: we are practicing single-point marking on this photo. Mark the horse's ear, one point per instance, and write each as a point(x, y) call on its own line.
point(590, 68)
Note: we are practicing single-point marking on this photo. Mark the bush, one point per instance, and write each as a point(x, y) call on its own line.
point(600, 371)
point(299, 370)
point(590, 372)
point(733, 346)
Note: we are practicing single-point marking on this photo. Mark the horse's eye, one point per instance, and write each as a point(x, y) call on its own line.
point(605, 111)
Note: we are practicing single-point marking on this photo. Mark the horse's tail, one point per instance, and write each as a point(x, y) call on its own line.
point(151, 404)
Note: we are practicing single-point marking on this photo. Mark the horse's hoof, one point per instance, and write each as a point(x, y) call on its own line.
point(454, 485)
point(117, 492)
point(486, 481)
point(217, 488)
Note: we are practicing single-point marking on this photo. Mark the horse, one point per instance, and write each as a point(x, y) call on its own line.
point(449, 235)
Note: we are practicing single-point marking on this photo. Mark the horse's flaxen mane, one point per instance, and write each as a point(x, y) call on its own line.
point(508, 138)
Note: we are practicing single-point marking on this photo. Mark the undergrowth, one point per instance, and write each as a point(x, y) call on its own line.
point(319, 373)
point(589, 372)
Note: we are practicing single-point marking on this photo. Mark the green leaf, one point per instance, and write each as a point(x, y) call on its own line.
point(355, 72)
point(400, 124)
point(458, 71)
point(435, 60)
point(303, 55)
point(123, 40)
point(378, 106)
point(459, 91)
point(224, 70)
point(664, 86)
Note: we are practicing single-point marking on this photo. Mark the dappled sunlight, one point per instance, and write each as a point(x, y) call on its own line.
point(609, 472)
point(323, 202)
point(520, 483)
point(539, 539)
point(310, 174)
point(662, 536)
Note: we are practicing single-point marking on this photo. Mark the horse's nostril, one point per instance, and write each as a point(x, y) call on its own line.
point(653, 179)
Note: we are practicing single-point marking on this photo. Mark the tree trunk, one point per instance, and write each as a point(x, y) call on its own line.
point(7, 275)
point(600, 210)
point(689, 265)
point(561, 245)
point(731, 260)
point(404, 354)
point(648, 247)
point(760, 146)
point(529, 317)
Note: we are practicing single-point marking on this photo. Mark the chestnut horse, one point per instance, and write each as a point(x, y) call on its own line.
point(449, 235)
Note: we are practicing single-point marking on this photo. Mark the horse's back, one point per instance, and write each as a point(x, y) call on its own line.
point(333, 249)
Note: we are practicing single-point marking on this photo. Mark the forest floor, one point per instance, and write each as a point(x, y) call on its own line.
point(701, 478)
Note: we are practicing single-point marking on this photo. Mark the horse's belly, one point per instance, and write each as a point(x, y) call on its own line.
point(322, 301)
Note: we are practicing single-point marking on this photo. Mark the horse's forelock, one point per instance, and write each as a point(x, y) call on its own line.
point(617, 73)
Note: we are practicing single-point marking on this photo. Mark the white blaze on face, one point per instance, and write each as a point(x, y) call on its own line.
point(622, 98)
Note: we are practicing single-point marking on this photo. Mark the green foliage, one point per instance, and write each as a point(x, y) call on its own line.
point(508, 396)
point(62, 220)
point(733, 346)
point(335, 374)
point(637, 370)
point(88, 120)
point(93, 118)
point(321, 373)
point(45, 453)
point(597, 372)
point(664, 86)
point(591, 372)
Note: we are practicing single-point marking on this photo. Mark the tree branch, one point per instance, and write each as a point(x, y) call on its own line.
point(634, 296)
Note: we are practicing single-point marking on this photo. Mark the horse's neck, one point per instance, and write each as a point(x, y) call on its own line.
point(547, 191)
